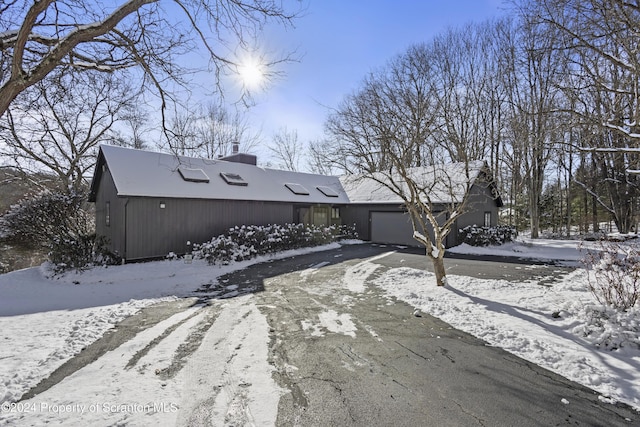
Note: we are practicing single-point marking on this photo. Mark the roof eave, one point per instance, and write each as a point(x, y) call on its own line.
point(97, 176)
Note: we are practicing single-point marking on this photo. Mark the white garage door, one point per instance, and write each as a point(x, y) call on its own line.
point(392, 227)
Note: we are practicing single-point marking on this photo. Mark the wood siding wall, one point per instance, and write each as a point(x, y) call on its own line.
point(138, 228)
point(115, 231)
point(154, 232)
point(360, 216)
point(480, 201)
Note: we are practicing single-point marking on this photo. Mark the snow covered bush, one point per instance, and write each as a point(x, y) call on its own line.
point(81, 252)
point(474, 235)
point(60, 223)
point(40, 219)
point(248, 241)
point(223, 250)
point(609, 328)
point(614, 274)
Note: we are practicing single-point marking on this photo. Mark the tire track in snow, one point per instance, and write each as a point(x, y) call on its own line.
point(228, 380)
point(119, 395)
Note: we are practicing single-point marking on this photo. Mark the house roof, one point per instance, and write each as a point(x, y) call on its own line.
point(443, 183)
point(152, 174)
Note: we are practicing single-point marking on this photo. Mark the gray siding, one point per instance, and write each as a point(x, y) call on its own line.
point(138, 228)
point(480, 201)
point(115, 231)
point(154, 232)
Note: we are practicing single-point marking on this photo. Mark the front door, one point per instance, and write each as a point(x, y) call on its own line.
point(320, 217)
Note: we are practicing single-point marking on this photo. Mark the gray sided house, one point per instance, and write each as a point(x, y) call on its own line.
point(149, 204)
point(381, 216)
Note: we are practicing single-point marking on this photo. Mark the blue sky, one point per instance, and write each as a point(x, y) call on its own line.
point(339, 42)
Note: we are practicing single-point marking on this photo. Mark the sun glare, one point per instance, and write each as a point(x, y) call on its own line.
point(251, 73)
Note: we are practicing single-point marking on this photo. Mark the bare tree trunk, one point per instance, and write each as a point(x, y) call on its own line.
point(594, 212)
point(534, 213)
point(438, 268)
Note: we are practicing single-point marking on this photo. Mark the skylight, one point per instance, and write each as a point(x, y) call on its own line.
point(233, 179)
point(193, 175)
point(297, 189)
point(327, 191)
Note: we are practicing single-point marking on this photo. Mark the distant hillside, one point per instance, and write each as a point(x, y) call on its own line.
point(14, 185)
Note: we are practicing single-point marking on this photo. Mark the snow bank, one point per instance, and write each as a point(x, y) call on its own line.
point(551, 326)
point(525, 248)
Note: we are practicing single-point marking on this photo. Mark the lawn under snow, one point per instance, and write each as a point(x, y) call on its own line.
point(44, 322)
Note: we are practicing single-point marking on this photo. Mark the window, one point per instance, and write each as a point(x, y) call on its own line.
point(297, 189)
point(107, 214)
point(335, 213)
point(327, 191)
point(233, 179)
point(193, 175)
point(487, 219)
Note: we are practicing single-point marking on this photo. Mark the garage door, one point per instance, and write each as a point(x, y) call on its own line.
point(392, 227)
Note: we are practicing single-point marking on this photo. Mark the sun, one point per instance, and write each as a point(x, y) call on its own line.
point(251, 72)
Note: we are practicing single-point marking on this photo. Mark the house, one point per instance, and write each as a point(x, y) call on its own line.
point(149, 204)
point(380, 214)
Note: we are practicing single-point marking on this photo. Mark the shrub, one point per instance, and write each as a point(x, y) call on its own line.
point(248, 241)
point(484, 236)
point(223, 250)
point(614, 278)
point(39, 220)
point(609, 328)
point(60, 223)
point(80, 253)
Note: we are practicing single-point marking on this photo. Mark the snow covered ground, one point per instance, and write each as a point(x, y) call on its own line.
point(565, 251)
point(45, 321)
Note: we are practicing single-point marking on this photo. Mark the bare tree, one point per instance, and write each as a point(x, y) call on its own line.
point(181, 133)
point(56, 125)
point(286, 149)
point(534, 72)
point(210, 132)
point(46, 35)
point(385, 131)
point(468, 80)
point(135, 120)
point(220, 128)
point(601, 39)
point(319, 158)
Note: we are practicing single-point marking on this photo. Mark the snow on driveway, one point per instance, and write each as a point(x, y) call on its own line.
point(227, 380)
point(44, 322)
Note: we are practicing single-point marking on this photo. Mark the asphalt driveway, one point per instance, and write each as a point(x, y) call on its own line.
point(345, 356)
point(398, 369)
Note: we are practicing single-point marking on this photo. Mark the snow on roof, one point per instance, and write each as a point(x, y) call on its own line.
point(443, 183)
point(153, 174)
